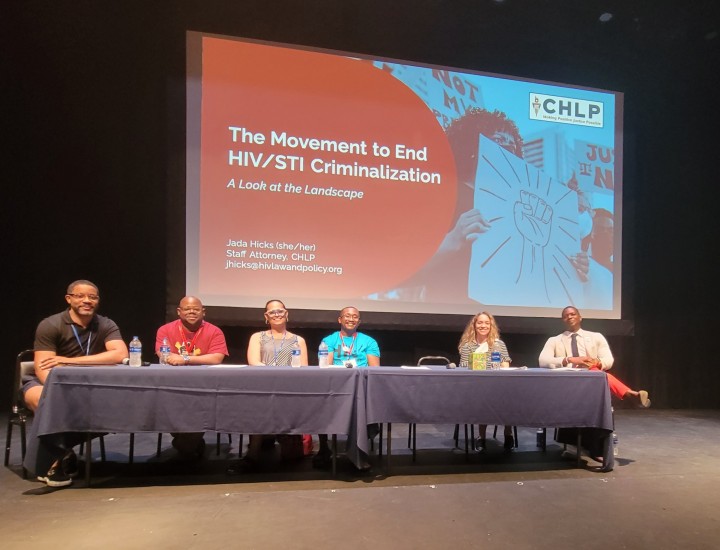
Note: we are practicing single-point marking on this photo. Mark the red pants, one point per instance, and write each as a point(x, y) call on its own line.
point(616, 387)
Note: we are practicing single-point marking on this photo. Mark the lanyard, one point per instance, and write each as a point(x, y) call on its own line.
point(275, 349)
point(77, 337)
point(189, 345)
point(347, 350)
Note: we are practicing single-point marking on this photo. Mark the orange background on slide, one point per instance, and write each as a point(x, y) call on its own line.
point(378, 240)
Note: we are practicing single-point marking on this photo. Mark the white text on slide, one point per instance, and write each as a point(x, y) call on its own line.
point(275, 256)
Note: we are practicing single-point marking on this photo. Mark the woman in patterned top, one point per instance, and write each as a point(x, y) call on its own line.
point(274, 346)
point(482, 333)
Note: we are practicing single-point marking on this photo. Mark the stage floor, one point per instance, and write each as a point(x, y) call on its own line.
point(663, 493)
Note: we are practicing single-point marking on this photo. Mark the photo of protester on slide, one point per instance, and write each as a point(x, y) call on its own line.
point(594, 263)
point(444, 278)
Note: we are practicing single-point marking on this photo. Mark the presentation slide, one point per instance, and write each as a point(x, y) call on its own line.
point(328, 178)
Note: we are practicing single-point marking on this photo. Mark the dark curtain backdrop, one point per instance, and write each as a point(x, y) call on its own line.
point(93, 124)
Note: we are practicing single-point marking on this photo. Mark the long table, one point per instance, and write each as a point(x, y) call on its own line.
point(160, 398)
point(232, 399)
point(539, 398)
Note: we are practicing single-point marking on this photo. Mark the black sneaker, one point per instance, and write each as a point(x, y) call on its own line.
point(243, 466)
point(56, 478)
point(200, 450)
point(69, 464)
point(322, 460)
point(185, 452)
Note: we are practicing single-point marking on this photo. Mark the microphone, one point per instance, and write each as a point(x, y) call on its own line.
point(126, 361)
point(439, 360)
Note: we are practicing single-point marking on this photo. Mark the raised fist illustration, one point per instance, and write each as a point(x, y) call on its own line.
point(533, 217)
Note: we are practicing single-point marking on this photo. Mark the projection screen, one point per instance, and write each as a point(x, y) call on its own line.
point(329, 178)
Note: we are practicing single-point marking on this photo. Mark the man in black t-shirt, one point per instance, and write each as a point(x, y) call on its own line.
point(76, 336)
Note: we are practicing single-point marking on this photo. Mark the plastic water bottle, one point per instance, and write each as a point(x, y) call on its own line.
point(135, 352)
point(295, 360)
point(495, 360)
point(615, 444)
point(164, 351)
point(323, 354)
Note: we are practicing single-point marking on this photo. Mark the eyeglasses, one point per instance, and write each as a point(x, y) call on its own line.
point(91, 297)
point(351, 317)
point(276, 313)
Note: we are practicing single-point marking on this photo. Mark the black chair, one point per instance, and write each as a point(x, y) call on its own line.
point(159, 444)
point(412, 428)
point(19, 412)
point(438, 360)
point(590, 440)
point(131, 451)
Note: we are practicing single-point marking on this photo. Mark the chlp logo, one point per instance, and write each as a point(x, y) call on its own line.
point(566, 110)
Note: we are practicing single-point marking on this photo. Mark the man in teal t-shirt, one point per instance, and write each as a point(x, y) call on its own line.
point(349, 347)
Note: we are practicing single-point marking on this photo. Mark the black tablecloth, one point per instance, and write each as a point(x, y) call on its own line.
point(311, 400)
point(195, 399)
point(540, 398)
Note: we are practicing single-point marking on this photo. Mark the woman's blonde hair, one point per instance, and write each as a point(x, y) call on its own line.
point(468, 334)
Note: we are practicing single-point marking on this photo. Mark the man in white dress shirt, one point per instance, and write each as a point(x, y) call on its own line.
point(582, 349)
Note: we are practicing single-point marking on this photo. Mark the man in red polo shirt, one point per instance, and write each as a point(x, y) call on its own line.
point(193, 341)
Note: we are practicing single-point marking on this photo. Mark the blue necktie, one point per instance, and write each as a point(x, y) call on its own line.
point(573, 345)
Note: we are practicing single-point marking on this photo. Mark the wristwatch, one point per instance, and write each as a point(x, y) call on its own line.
point(187, 359)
